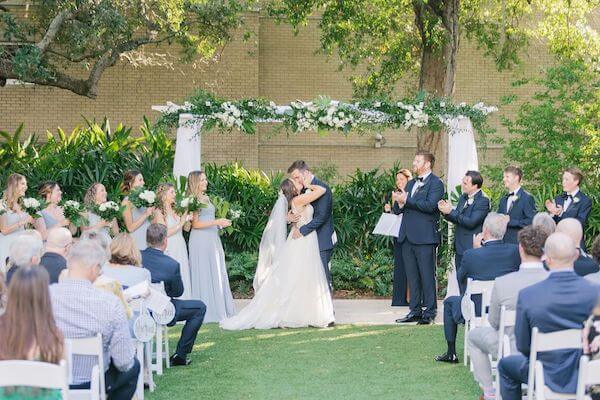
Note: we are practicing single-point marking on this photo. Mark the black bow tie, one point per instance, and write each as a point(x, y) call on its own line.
point(420, 179)
point(511, 194)
point(567, 196)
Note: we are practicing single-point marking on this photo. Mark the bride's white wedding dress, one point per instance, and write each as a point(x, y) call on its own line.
point(294, 292)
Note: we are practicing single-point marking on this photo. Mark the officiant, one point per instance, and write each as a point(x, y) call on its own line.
point(400, 294)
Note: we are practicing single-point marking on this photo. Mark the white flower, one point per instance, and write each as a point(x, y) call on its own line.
point(149, 196)
point(272, 104)
point(250, 104)
point(470, 200)
point(208, 104)
point(462, 104)
point(72, 204)
point(185, 202)
point(30, 202)
point(235, 214)
point(442, 104)
point(377, 104)
point(575, 199)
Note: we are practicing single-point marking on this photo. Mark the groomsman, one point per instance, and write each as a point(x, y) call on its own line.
point(572, 203)
point(472, 208)
point(518, 204)
point(420, 235)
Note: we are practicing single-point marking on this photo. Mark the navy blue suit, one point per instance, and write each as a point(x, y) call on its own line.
point(468, 221)
point(579, 209)
point(165, 269)
point(486, 263)
point(521, 214)
point(419, 235)
point(585, 265)
point(562, 301)
point(322, 222)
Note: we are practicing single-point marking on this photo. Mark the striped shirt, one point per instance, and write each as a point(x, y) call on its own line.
point(80, 311)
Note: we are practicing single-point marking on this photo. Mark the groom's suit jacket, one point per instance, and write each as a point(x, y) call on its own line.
point(421, 216)
point(322, 221)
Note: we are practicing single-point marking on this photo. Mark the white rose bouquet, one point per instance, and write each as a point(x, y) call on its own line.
point(33, 206)
point(108, 210)
point(188, 204)
point(3, 207)
point(74, 212)
point(141, 198)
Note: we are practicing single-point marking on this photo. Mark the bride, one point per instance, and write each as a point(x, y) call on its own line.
point(291, 289)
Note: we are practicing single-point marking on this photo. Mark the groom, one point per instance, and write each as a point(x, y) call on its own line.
point(322, 221)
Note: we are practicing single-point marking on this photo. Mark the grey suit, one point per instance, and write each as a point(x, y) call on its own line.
point(483, 341)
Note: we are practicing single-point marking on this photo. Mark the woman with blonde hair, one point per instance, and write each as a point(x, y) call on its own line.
point(136, 219)
point(210, 282)
point(14, 220)
point(28, 329)
point(176, 246)
point(125, 263)
point(53, 215)
point(94, 196)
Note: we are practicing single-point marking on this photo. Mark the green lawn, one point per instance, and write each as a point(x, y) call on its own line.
point(344, 362)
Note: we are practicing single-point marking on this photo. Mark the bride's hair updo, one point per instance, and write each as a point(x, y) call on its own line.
point(289, 190)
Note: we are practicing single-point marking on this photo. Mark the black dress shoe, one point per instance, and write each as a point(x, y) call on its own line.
point(425, 321)
point(331, 324)
point(447, 358)
point(177, 361)
point(409, 318)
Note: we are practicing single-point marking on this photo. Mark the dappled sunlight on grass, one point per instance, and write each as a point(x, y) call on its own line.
point(346, 336)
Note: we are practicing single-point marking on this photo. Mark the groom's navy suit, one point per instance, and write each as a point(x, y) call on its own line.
point(521, 214)
point(322, 222)
point(420, 235)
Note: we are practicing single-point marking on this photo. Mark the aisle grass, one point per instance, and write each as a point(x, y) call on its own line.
point(344, 362)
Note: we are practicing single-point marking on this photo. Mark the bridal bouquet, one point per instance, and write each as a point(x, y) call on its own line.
point(141, 198)
point(74, 212)
point(108, 210)
point(33, 206)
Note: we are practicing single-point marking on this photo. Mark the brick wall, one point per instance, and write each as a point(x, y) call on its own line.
point(279, 66)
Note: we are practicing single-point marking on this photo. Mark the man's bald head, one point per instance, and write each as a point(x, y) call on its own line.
point(572, 228)
point(560, 251)
point(58, 241)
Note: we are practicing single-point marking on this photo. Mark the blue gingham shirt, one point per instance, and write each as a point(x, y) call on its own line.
point(80, 310)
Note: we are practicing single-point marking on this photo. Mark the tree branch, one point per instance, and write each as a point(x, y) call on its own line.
point(53, 29)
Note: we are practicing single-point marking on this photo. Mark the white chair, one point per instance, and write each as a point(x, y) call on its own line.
point(540, 342)
point(507, 320)
point(35, 374)
point(143, 351)
point(589, 374)
point(484, 288)
point(161, 340)
point(91, 346)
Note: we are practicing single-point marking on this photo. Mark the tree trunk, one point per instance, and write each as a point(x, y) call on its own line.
point(438, 70)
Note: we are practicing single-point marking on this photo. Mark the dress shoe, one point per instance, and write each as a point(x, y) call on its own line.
point(331, 324)
point(425, 321)
point(409, 318)
point(177, 361)
point(447, 358)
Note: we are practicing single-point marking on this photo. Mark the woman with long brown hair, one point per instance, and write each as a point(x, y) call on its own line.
point(136, 219)
point(13, 221)
point(94, 196)
point(176, 246)
point(210, 282)
point(53, 215)
point(27, 327)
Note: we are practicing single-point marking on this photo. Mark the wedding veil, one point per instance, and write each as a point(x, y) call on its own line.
point(273, 239)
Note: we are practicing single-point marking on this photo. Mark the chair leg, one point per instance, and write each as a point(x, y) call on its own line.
point(167, 353)
point(159, 350)
point(139, 391)
point(465, 348)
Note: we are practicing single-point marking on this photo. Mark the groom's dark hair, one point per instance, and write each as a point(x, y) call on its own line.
point(300, 165)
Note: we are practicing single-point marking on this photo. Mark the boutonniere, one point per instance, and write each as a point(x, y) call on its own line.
point(514, 197)
point(576, 199)
point(470, 200)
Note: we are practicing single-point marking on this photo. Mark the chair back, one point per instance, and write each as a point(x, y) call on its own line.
point(35, 374)
point(90, 346)
point(540, 342)
point(507, 320)
point(589, 374)
point(483, 288)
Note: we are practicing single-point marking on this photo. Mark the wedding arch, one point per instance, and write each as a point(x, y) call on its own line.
point(204, 111)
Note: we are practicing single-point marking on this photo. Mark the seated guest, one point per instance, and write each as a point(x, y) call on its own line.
point(468, 216)
point(83, 311)
point(26, 249)
point(57, 245)
point(544, 221)
point(165, 269)
point(27, 328)
point(595, 277)
point(518, 204)
point(483, 341)
point(493, 259)
point(563, 301)
point(572, 203)
point(125, 263)
point(584, 264)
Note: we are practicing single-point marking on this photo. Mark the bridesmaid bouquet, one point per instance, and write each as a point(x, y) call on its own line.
point(33, 206)
point(223, 209)
point(108, 210)
point(74, 212)
point(2, 207)
point(142, 198)
point(188, 204)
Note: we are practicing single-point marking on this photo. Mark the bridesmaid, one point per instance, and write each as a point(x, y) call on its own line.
point(53, 215)
point(94, 196)
point(176, 247)
point(136, 219)
point(210, 282)
point(400, 290)
point(13, 222)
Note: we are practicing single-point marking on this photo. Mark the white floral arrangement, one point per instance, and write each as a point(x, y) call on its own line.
point(189, 204)
point(33, 206)
point(230, 116)
point(141, 198)
point(3, 208)
point(235, 214)
point(73, 211)
point(108, 210)
point(415, 116)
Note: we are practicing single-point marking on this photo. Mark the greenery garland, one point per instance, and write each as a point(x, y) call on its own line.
point(325, 114)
